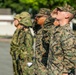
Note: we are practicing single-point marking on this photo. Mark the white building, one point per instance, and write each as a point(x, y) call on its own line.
point(6, 23)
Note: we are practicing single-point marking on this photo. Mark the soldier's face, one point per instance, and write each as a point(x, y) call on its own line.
point(41, 20)
point(20, 26)
point(61, 15)
point(64, 15)
point(16, 22)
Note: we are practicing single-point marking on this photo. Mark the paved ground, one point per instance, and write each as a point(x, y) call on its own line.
point(5, 58)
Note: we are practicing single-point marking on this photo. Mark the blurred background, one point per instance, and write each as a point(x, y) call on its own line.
point(8, 9)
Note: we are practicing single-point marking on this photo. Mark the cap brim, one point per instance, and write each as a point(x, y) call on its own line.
point(60, 8)
point(39, 14)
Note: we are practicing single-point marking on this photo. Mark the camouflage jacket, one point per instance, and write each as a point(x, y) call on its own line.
point(46, 32)
point(25, 41)
point(14, 41)
point(42, 40)
point(39, 45)
point(62, 52)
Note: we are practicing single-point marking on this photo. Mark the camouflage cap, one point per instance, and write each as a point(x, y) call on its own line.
point(44, 11)
point(24, 14)
point(26, 22)
point(17, 16)
point(67, 8)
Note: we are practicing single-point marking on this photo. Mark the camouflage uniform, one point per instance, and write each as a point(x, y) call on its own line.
point(62, 52)
point(41, 52)
point(26, 49)
point(46, 32)
point(14, 47)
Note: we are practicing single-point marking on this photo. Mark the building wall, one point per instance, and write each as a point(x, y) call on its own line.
point(6, 29)
point(6, 25)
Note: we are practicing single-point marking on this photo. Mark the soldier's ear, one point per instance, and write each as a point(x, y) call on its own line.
point(68, 15)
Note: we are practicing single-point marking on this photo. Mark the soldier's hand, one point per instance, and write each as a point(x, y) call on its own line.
point(64, 74)
point(54, 13)
point(56, 23)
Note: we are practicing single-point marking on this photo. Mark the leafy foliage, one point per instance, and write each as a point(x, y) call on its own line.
point(25, 5)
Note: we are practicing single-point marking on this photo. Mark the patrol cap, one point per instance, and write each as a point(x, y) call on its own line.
point(24, 14)
point(26, 22)
point(44, 11)
point(67, 8)
point(17, 16)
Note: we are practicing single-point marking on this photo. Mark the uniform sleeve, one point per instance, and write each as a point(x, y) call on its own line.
point(29, 46)
point(68, 44)
point(14, 43)
point(29, 42)
point(25, 47)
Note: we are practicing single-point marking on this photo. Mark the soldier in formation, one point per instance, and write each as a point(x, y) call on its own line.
point(41, 51)
point(62, 51)
point(14, 43)
point(21, 45)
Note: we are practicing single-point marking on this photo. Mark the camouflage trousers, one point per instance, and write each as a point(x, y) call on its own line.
point(15, 67)
point(15, 63)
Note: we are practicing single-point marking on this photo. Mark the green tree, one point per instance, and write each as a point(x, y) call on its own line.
point(25, 5)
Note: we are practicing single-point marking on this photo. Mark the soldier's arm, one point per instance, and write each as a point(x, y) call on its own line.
point(29, 42)
point(68, 44)
point(29, 46)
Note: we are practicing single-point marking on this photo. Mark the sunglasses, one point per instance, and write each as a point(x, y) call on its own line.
point(58, 9)
point(38, 16)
